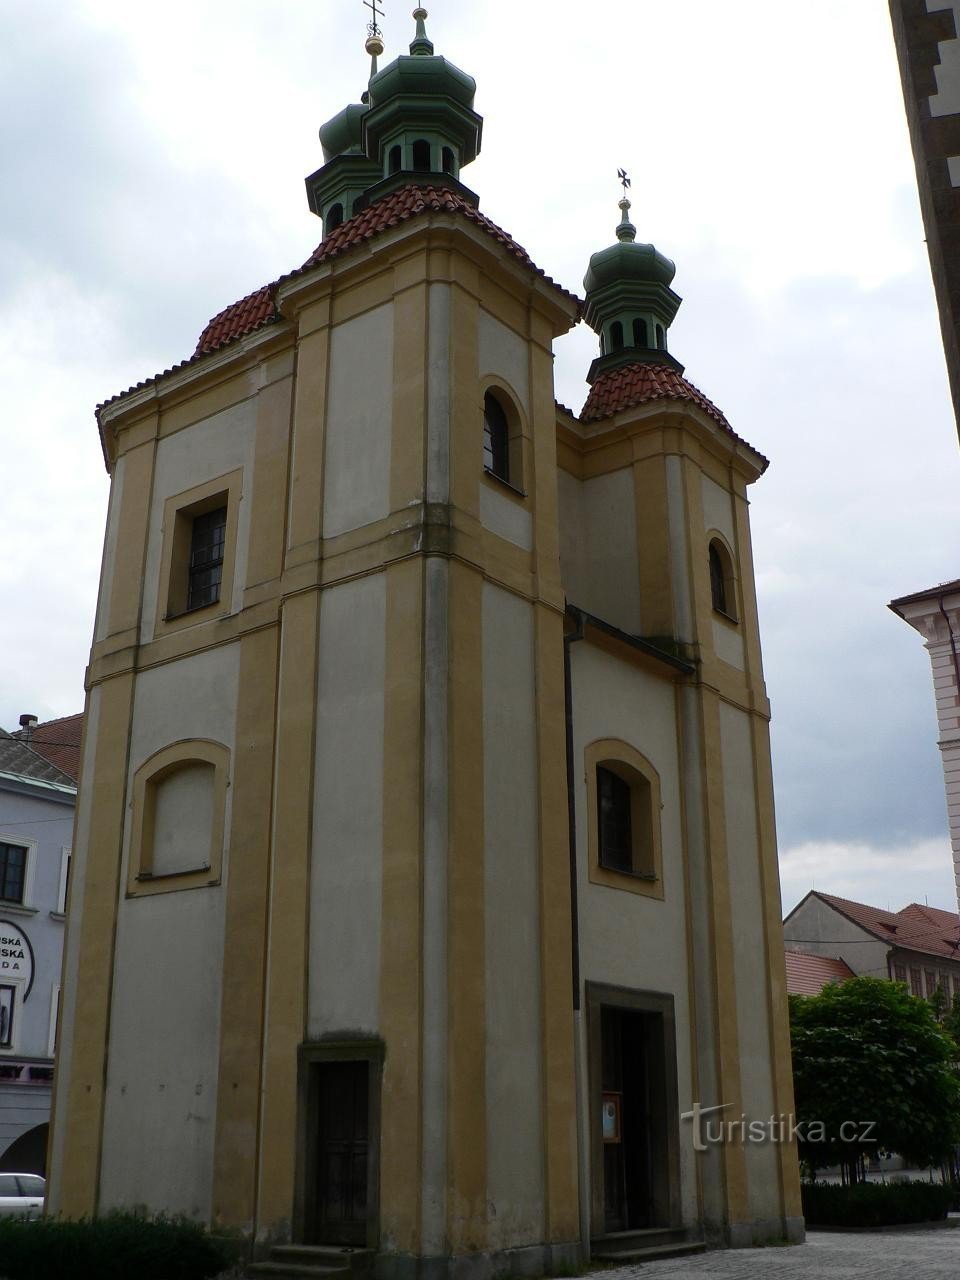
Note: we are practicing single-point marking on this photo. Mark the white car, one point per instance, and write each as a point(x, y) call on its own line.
point(21, 1195)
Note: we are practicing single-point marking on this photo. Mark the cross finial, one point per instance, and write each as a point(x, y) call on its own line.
point(373, 27)
point(624, 180)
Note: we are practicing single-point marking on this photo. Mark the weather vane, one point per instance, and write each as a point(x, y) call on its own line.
point(373, 28)
point(624, 180)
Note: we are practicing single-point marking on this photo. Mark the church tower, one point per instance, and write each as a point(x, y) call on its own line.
point(425, 874)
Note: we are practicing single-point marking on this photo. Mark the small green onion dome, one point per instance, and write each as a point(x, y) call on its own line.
point(344, 133)
point(428, 75)
point(626, 261)
point(422, 73)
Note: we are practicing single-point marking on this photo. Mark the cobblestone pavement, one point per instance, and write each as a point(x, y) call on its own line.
point(887, 1255)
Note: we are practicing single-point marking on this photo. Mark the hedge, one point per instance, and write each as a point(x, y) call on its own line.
point(873, 1204)
point(118, 1246)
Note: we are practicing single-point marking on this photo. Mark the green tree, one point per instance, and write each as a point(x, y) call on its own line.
point(866, 1052)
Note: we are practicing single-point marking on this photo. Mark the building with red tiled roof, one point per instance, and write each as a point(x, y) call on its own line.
point(808, 974)
point(427, 733)
point(57, 741)
point(919, 945)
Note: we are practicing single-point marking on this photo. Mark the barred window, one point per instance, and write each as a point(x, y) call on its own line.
point(207, 541)
point(13, 872)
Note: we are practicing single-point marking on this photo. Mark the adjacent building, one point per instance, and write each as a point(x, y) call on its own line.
point(918, 945)
point(928, 50)
point(425, 870)
point(37, 802)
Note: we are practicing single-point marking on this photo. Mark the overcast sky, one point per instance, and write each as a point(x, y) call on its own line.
point(152, 169)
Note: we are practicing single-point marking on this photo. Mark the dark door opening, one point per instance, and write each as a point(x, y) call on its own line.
point(341, 1153)
point(627, 1121)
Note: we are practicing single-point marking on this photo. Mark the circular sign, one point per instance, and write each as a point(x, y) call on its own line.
point(16, 955)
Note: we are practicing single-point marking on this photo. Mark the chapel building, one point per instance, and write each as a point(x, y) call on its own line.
point(425, 868)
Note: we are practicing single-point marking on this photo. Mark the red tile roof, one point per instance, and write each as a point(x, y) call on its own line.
point(628, 385)
point(58, 741)
point(916, 928)
point(239, 319)
point(808, 974)
point(259, 308)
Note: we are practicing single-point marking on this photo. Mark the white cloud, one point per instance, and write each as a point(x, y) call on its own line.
point(882, 876)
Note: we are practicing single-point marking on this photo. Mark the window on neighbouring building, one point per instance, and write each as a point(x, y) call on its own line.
point(8, 1001)
point(13, 872)
point(496, 438)
point(916, 982)
point(956, 984)
point(900, 972)
point(931, 978)
point(64, 886)
point(207, 540)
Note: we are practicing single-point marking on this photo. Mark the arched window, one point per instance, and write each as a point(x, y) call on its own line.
point(616, 335)
point(449, 161)
point(623, 793)
point(421, 156)
point(334, 217)
point(395, 159)
point(661, 338)
point(640, 336)
point(359, 203)
point(496, 438)
point(179, 799)
point(722, 585)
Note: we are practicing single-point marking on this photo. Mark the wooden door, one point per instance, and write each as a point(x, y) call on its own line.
point(342, 1161)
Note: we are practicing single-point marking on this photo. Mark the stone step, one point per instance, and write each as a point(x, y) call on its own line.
point(338, 1257)
point(289, 1261)
point(291, 1271)
point(652, 1252)
point(624, 1245)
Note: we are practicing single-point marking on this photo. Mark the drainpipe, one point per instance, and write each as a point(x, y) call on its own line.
point(582, 1106)
point(569, 639)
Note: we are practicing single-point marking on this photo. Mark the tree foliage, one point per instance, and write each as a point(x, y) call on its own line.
point(867, 1051)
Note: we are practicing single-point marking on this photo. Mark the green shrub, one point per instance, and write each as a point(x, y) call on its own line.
point(872, 1204)
point(118, 1246)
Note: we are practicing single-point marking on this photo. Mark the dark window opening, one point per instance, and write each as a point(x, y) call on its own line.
point(640, 336)
point(334, 216)
point(496, 438)
point(359, 203)
point(449, 160)
point(13, 872)
point(614, 818)
point(207, 540)
point(661, 338)
point(616, 335)
point(421, 156)
point(395, 159)
point(718, 585)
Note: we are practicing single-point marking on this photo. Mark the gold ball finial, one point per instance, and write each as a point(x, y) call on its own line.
point(374, 45)
point(420, 14)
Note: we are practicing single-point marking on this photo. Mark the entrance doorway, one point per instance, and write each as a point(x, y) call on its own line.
point(337, 1186)
point(634, 1120)
point(340, 1210)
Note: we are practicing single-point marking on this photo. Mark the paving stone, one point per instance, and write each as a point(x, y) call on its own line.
point(888, 1255)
